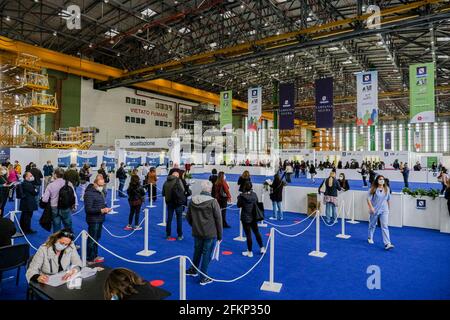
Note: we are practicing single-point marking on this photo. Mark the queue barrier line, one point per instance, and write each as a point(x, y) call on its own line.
point(23, 233)
point(290, 225)
point(297, 234)
point(81, 209)
point(124, 236)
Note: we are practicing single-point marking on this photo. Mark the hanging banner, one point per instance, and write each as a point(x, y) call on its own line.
point(226, 110)
point(287, 106)
point(360, 141)
point(5, 154)
point(417, 142)
point(254, 108)
point(153, 162)
point(92, 161)
point(367, 98)
point(388, 141)
point(324, 103)
point(421, 93)
point(64, 162)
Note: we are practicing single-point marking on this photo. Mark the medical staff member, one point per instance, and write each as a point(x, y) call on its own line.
point(378, 201)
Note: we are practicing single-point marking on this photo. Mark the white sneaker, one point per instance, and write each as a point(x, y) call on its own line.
point(247, 254)
point(370, 241)
point(389, 246)
point(262, 250)
point(273, 218)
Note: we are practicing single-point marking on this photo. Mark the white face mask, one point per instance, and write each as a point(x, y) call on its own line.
point(60, 246)
point(100, 189)
point(341, 177)
point(381, 182)
point(30, 179)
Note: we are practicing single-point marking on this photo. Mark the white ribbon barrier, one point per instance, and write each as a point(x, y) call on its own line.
point(317, 253)
point(12, 215)
point(241, 230)
point(151, 197)
point(163, 223)
point(146, 252)
point(77, 212)
point(125, 236)
point(14, 219)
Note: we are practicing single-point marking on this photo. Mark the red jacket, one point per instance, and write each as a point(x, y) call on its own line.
point(225, 187)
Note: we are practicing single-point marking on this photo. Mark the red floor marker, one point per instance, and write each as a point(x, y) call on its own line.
point(157, 283)
point(171, 239)
point(227, 253)
point(267, 234)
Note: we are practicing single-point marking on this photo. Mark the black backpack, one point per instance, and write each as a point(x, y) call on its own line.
point(19, 191)
point(66, 197)
point(178, 196)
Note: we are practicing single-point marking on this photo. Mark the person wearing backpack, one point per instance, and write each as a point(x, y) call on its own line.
point(276, 195)
point(174, 193)
point(223, 196)
point(136, 194)
point(27, 192)
point(72, 175)
point(104, 173)
point(122, 176)
point(63, 199)
point(85, 177)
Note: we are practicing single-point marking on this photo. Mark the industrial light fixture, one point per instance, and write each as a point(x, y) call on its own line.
point(90, 45)
point(8, 18)
point(55, 33)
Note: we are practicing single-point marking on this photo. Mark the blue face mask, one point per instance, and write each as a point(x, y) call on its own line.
point(115, 297)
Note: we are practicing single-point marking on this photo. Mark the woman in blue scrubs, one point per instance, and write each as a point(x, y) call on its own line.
point(379, 202)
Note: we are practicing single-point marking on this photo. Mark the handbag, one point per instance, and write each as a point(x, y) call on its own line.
point(46, 218)
point(258, 211)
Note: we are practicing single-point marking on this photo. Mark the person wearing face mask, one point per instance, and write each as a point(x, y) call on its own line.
point(330, 187)
point(379, 204)
point(4, 189)
point(27, 202)
point(95, 207)
point(57, 254)
point(48, 173)
point(343, 182)
point(223, 196)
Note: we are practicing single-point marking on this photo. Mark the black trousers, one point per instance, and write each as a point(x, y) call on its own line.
point(248, 228)
point(365, 181)
point(134, 212)
point(223, 209)
point(25, 221)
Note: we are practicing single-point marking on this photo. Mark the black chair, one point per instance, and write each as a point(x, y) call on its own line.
point(12, 257)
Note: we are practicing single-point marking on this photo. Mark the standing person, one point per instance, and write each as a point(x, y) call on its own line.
point(204, 215)
point(405, 174)
point(447, 196)
point(61, 202)
point(343, 182)
point(12, 179)
point(28, 167)
point(297, 168)
point(85, 178)
point(27, 203)
point(173, 191)
point(330, 196)
point(151, 180)
point(136, 196)
point(145, 171)
point(312, 172)
point(48, 173)
point(187, 167)
point(289, 171)
point(121, 174)
point(378, 201)
point(4, 189)
point(223, 196)
point(247, 201)
point(243, 179)
point(372, 175)
point(443, 179)
point(213, 178)
point(363, 173)
point(433, 167)
point(18, 167)
point(38, 176)
point(276, 195)
point(105, 175)
point(72, 176)
point(95, 208)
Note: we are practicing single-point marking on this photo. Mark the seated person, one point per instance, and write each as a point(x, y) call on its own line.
point(7, 230)
point(57, 254)
point(124, 284)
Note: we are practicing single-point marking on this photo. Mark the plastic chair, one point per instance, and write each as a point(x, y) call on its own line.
point(12, 257)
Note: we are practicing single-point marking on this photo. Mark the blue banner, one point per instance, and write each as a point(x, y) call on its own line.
point(153, 162)
point(388, 141)
point(64, 162)
point(92, 161)
point(133, 162)
point(324, 103)
point(5, 154)
point(110, 162)
point(287, 106)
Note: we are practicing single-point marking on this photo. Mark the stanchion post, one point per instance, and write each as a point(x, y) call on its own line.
point(115, 190)
point(317, 253)
point(241, 230)
point(151, 197)
point(342, 235)
point(83, 247)
point(182, 278)
point(146, 252)
point(163, 223)
point(271, 285)
point(113, 206)
point(353, 210)
point(13, 214)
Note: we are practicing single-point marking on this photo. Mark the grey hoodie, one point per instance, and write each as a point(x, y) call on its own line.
point(205, 217)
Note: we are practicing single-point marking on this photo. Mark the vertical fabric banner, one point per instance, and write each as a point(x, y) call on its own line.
point(421, 93)
point(372, 138)
point(360, 141)
point(417, 142)
point(324, 103)
point(367, 98)
point(388, 141)
point(226, 112)
point(287, 96)
point(254, 108)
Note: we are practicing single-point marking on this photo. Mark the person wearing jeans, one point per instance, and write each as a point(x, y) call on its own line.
point(122, 176)
point(136, 194)
point(276, 196)
point(204, 215)
point(330, 187)
point(172, 204)
point(95, 207)
point(178, 210)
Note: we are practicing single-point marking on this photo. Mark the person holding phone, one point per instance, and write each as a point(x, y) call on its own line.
point(378, 201)
point(57, 254)
point(96, 208)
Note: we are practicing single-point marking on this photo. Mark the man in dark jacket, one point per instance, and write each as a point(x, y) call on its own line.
point(405, 174)
point(205, 217)
point(37, 174)
point(27, 202)
point(95, 207)
point(172, 205)
point(72, 176)
point(122, 176)
point(48, 173)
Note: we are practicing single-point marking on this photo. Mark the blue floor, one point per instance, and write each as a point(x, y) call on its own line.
point(418, 267)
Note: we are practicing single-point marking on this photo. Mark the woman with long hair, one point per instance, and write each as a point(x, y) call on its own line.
point(151, 180)
point(243, 179)
point(136, 194)
point(276, 195)
point(13, 177)
point(330, 196)
point(343, 182)
point(378, 201)
point(223, 196)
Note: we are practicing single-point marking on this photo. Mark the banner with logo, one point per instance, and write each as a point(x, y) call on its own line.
point(360, 141)
point(417, 140)
point(153, 161)
point(5, 154)
point(421, 93)
point(324, 103)
point(367, 98)
point(226, 110)
point(92, 161)
point(254, 108)
point(388, 141)
point(287, 106)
